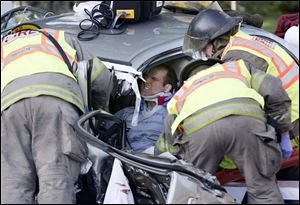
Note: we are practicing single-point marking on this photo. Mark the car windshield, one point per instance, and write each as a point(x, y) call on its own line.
point(21, 15)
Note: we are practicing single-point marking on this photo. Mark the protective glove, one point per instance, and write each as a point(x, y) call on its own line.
point(286, 146)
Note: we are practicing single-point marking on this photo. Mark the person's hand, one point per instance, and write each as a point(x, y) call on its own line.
point(286, 146)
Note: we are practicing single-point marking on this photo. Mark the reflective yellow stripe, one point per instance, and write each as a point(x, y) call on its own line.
point(41, 86)
point(227, 163)
point(280, 65)
point(163, 146)
point(230, 66)
point(287, 76)
point(98, 67)
point(203, 118)
point(212, 91)
point(39, 56)
point(258, 47)
point(290, 76)
point(29, 91)
point(41, 93)
point(44, 45)
point(286, 68)
point(30, 49)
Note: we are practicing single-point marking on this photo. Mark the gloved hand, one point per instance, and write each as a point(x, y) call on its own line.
point(286, 146)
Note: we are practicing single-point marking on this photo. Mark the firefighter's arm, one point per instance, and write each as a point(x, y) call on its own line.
point(82, 53)
point(102, 84)
point(277, 102)
point(101, 79)
point(165, 142)
point(254, 60)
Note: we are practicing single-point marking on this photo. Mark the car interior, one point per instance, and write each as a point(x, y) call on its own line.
point(127, 100)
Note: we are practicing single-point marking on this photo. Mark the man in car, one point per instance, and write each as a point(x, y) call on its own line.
point(220, 111)
point(40, 102)
point(160, 83)
point(223, 39)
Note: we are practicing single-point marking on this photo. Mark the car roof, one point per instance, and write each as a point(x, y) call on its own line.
point(139, 41)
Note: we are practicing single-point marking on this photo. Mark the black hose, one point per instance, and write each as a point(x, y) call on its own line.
point(100, 18)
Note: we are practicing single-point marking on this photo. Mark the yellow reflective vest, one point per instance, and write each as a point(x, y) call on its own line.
point(280, 64)
point(219, 83)
point(20, 50)
point(30, 52)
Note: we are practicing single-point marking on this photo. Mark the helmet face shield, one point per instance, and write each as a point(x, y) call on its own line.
point(206, 26)
point(193, 47)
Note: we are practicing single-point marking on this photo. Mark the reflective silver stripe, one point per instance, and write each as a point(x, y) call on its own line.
point(180, 105)
point(290, 75)
point(28, 49)
point(204, 80)
point(280, 65)
point(231, 66)
point(210, 114)
point(42, 89)
point(72, 62)
point(52, 49)
point(180, 92)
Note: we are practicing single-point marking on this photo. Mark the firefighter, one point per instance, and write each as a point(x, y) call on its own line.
point(219, 111)
point(213, 33)
point(40, 102)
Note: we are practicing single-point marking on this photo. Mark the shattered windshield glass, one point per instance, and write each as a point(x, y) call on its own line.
point(22, 15)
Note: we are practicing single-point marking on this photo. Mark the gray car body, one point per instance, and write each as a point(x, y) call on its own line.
point(141, 46)
point(159, 38)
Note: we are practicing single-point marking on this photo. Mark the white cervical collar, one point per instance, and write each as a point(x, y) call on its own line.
point(153, 98)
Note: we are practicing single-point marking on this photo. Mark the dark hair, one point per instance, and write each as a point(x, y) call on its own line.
point(188, 68)
point(171, 77)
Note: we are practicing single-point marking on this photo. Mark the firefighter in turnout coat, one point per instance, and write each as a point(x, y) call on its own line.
point(40, 101)
point(222, 111)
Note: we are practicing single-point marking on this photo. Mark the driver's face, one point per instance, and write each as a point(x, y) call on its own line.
point(154, 82)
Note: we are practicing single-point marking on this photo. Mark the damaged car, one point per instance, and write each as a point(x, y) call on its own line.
point(130, 47)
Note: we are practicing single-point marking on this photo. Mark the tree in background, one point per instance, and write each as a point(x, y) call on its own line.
point(269, 10)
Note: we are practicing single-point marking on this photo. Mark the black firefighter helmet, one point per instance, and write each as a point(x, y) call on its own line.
point(206, 26)
point(186, 71)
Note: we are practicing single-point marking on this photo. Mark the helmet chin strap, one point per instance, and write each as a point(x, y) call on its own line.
point(218, 53)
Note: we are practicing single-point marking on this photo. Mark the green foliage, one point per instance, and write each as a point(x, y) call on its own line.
point(264, 7)
point(269, 10)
